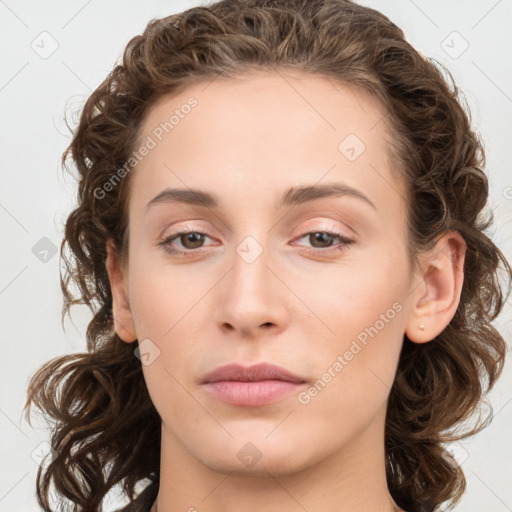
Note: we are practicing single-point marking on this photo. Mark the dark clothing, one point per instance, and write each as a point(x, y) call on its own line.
point(147, 497)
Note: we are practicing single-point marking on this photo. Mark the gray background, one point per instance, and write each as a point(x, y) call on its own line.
point(54, 56)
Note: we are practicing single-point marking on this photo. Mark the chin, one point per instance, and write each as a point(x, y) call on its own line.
point(269, 464)
point(257, 455)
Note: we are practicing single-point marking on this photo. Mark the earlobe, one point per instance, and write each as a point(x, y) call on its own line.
point(123, 320)
point(437, 290)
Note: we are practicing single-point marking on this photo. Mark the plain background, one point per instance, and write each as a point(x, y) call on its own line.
point(55, 56)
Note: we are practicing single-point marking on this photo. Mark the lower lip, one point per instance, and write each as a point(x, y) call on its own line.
point(251, 394)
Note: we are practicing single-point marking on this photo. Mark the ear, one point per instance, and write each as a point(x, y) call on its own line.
point(438, 287)
point(123, 320)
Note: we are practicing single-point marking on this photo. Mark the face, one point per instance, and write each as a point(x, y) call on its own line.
point(261, 268)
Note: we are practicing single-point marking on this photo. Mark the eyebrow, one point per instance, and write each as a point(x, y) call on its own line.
point(292, 197)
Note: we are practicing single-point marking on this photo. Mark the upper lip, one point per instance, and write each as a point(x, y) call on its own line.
point(257, 372)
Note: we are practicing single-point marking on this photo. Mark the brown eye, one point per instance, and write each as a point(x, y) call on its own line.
point(323, 238)
point(183, 242)
point(325, 242)
point(191, 240)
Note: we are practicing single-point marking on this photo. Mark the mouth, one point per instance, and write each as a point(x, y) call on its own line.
point(252, 386)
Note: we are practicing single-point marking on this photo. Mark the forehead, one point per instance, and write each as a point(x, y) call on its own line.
point(319, 102)
point(265, 130)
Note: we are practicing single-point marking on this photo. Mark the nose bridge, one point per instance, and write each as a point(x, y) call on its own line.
point(249, 279)
point(249, 298)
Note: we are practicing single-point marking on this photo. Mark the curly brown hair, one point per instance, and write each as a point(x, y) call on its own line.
point(106, 430)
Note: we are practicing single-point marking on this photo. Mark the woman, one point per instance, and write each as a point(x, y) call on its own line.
point(280, 232)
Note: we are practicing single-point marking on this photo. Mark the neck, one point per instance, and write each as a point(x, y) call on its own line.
point(350, 480)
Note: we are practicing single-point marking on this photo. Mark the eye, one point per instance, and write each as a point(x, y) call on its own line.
point(322, 241)
point(190, 240)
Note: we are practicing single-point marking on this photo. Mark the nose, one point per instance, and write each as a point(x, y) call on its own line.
point(251, 298)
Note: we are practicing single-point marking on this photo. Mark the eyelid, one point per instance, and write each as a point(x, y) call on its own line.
point(191, 225)
point(327, 220)
point(311, 227)
point(318, 225)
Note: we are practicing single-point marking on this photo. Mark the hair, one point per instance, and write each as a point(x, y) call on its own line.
point(106, 431)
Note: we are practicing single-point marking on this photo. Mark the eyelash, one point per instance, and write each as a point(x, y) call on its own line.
point(167, 241)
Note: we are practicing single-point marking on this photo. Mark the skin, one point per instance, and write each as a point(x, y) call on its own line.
point(247, 141)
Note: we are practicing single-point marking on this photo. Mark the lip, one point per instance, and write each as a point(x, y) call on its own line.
point(251, 386)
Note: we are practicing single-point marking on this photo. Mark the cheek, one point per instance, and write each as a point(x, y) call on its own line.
point(163, 297)
point(167, 307)
point(362, 313)
point(360, 294)
point(356, 365)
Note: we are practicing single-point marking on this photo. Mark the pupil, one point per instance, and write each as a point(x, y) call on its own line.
point(190, 238)
point(321, 236)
